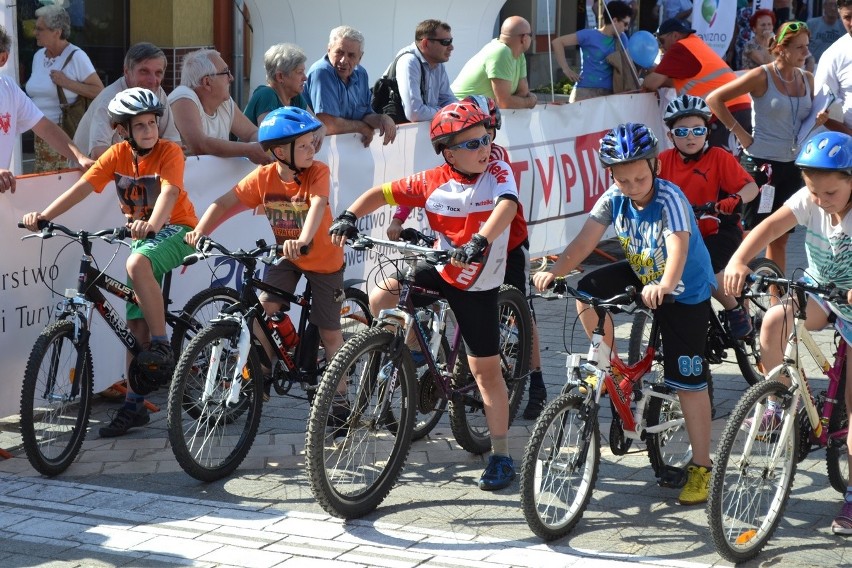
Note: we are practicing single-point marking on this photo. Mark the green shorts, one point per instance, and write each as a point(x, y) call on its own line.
point(165, 251)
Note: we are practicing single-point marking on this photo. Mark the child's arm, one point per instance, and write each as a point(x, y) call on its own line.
point(139, 228)
point(498, 221)
point(227, 204)
point(368, 202)
point(309, 229)
point(575, 253)
point(774, 226)
point(677, 245)
point(72, 196)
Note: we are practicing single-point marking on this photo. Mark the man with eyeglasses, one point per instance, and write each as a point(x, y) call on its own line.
point(835, 70)
point(499, 70)
point(144, 66)
point(424, 86)
point(206, 115)
point(693, 68)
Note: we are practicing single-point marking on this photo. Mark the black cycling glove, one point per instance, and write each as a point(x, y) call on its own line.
point(344, 225)
point(472, 250)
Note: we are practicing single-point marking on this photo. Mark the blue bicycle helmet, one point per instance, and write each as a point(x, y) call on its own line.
point(627, 143)
point(285, 124)
point(829, 151)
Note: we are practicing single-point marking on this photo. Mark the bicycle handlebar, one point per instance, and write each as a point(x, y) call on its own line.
point(430, 255)
point(205, 244)
point(709, 207)
point(48, 228)
point(828, 292)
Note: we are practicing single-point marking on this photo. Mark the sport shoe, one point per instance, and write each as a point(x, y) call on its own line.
point(842, 523)
point(697, 484)
point(418, 357)
point(158, 361)
point(338, 417)
point(123, 420)
point(769, 423)
point(538, 397)
point(498, 474)
point(739, 324)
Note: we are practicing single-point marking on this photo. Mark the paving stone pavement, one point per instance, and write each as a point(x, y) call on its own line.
point(126, 501)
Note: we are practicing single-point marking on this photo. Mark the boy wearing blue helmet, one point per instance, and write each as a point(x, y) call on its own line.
point(666, 255)
point(822, 206)
point(293, 192)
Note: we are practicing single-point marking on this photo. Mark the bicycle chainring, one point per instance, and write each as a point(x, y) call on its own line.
point(803, 444)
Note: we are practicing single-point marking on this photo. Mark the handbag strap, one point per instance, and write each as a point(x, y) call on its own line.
point(59, 92)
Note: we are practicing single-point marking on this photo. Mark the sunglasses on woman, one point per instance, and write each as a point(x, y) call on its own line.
point(791, 27)
point(472, 144)
point(683, 132)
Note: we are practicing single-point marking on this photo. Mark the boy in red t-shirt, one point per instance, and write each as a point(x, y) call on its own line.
point(293, 192)
point(148, 175)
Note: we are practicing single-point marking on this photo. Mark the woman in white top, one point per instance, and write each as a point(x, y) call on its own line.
point(57, 64)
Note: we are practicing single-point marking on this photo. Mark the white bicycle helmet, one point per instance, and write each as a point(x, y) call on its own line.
point(133, 102)
point(686, 105)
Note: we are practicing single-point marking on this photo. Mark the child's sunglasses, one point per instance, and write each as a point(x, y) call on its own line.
point(683, 132)
point(472, 144)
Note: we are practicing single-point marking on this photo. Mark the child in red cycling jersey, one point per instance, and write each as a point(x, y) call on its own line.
point(709, 175)
point(470, 202)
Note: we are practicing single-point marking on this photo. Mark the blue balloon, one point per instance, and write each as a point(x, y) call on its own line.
point(643, 48)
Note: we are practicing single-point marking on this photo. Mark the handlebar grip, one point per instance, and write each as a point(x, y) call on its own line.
point(42, 223)
point(189, 260)
point(304, 249)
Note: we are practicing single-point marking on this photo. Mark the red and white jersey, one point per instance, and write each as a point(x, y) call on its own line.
point(457, 206)
point(518, 229)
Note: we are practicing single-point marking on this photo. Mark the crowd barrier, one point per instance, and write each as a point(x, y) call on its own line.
point(552, 151)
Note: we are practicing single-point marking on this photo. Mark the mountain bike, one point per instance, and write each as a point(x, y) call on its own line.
point(218, 387)
point(756, 459)
point(357, 443)
point(57, 391)
point(562, 457)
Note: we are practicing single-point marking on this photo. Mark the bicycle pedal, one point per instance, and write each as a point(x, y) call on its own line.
point(672, 477)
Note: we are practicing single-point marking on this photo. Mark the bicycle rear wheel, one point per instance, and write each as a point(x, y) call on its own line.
point(669, 447)
point(560, 467)
point(197, 313)
point(467, 415)
point(211, 428)
point(357, 442)
point(752, 474)
point(836, 454)
point(53, 423)
point(355, 313)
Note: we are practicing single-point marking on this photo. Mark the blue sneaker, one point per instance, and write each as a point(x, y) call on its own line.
point(739, 323)
point(498, 474)
point(418, 357)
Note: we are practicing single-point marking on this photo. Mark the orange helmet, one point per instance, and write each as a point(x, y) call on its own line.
point(453, 119)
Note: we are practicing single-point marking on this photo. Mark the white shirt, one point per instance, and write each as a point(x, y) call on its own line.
point(835, 70)
point(18, 114)
point(43, 90)
point(218, 125)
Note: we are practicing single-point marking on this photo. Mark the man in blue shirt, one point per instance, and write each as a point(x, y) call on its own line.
point(339, 89)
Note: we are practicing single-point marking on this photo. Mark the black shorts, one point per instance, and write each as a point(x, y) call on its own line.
point(518, 268)
point(475, 312)
point(722, 245)
point(683, 327)
point(786, 178)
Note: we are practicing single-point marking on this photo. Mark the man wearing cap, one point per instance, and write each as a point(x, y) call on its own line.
point(693, 68)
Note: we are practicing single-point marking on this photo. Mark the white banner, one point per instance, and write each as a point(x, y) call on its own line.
point(713, 21)
point(552, 151)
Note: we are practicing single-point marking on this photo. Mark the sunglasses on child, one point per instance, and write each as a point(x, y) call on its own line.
point(683, 132)
point(791, 27)
point(472, 144)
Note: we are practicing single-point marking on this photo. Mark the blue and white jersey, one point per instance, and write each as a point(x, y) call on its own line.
point(642, 234)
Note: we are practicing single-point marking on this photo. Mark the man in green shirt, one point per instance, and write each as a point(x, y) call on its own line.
point(499, 70)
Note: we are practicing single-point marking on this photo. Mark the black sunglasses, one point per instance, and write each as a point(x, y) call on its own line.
point(446, 42)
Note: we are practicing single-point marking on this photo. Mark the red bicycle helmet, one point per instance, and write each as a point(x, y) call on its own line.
point(453, 119)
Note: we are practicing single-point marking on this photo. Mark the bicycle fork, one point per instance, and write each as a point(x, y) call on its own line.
point(233, 392)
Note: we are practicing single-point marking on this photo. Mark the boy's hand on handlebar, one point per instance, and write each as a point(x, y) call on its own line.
point(543, 280)
point(192, 238)
point(653, 295)
point(140, 229)
point(735, 278)
point(293, 248)
point(30, 220)
point(469, 252)
point(344, 227)
point(729, 205)
point(394, 229)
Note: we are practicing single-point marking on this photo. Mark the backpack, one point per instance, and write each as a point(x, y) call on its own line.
point(385, 97)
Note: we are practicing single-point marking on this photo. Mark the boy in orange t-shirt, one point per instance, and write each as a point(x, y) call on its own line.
point(148, 175)
point(294, 192)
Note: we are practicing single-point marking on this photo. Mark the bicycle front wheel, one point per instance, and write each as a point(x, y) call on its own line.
point(360, 425)
point(53, 419)
point(670, 446)
point(560, 467)
point(212, 427)
point(197, 313)
point(467, 414)
point(753, 472)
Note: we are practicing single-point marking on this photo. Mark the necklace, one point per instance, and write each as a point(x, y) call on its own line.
point(780, 76)
point(794, 111)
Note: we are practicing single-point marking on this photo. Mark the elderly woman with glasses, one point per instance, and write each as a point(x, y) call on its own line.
point(782, 95)
point(59, 64)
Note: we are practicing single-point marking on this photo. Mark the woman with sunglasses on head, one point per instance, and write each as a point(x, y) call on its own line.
point(709, 175)
point(782, 97)
point(470, 202)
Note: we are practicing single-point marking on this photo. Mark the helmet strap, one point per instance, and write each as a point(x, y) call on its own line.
point(132, 141)
point(291, 164)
